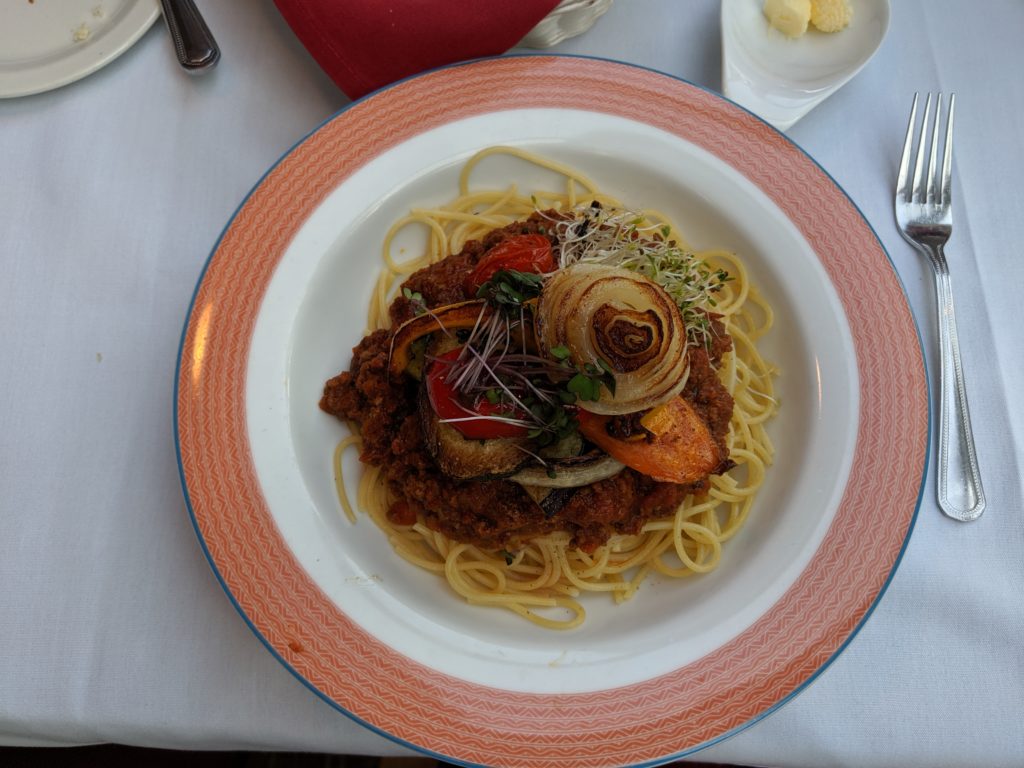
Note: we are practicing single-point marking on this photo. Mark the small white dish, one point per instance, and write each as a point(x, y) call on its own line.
point(780, 78)
point(45, 45)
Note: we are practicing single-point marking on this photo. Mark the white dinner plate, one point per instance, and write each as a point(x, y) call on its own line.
point(45, 44)
point(283, 300)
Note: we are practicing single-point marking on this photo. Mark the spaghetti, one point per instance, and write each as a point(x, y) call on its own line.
point(543, 577)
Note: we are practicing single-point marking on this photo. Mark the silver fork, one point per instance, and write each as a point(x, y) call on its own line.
point(924, 215)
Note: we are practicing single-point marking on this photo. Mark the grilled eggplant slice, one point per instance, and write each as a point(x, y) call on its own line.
point(467, 459)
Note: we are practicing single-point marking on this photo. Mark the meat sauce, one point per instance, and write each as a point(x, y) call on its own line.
point(495, 513)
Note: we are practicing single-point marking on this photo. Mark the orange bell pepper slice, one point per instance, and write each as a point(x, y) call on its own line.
point(463, 315)
point(682, 451)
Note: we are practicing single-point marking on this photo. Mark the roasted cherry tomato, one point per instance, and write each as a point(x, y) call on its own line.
point(448, 405)
point(522, 253)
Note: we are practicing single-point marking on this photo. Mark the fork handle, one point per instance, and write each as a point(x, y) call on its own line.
point(961, 496)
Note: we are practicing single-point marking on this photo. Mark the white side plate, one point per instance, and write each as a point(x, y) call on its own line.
point(45, 44)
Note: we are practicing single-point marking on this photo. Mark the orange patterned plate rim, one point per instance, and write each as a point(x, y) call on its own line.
point(645, 722)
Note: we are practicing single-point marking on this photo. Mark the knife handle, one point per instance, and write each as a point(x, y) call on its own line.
point(194, 45)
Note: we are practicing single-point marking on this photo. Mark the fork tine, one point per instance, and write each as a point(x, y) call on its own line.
point(931, 186)
point(918, 194)
point(901, 181)
point(947, 155)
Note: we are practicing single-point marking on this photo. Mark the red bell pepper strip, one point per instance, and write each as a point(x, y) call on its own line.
point(453, 409)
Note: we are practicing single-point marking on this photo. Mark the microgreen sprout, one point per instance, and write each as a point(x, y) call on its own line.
point(509, 290)
point(419, 306)
point(594, 234)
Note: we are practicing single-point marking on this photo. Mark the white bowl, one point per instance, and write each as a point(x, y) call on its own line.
point(780, 78)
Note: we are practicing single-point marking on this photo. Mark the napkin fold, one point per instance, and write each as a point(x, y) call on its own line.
point(366, 44)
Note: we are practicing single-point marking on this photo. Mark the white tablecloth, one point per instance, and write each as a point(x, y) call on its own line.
point(114, 189)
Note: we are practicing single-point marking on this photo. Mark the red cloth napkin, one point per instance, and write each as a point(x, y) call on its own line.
point(365, 44)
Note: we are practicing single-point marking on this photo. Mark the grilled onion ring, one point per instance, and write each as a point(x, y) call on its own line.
point(622, 322)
